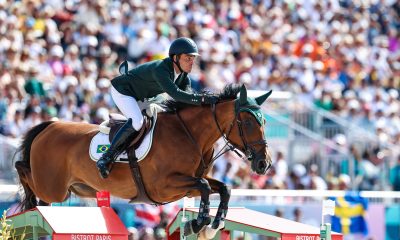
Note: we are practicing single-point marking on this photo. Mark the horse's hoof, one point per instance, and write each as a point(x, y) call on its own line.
point(203, 234)
point(208, 233)
point(211, 230)
point(194, 226)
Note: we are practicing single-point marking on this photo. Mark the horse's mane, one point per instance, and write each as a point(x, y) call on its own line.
point(228, 93)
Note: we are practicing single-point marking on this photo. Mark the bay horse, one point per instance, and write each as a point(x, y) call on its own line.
point(55, 159)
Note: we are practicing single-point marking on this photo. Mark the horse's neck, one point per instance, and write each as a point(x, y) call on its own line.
point(203, 126)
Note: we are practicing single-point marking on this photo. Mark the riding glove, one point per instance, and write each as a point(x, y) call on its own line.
point(209, 99)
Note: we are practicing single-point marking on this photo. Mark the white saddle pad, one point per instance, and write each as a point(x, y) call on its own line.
point(100, 144)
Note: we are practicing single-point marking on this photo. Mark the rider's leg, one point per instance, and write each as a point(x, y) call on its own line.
point(129, 107)
point(115, 149)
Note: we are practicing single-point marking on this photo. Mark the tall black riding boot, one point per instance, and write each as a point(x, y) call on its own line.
point(115, 149)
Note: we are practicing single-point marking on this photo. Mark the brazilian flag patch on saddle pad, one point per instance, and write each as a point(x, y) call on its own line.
point(102, 148)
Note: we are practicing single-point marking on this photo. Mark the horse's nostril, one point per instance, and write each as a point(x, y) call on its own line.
point(262, 165)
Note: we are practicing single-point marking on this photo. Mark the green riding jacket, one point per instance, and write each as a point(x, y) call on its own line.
point(153, 78)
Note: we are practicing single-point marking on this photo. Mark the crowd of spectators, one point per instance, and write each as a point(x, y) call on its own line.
point(57, 57)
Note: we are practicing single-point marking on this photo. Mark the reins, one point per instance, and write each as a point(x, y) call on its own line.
point(230, 146)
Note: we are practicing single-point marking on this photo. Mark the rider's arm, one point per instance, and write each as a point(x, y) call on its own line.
point(173, 90)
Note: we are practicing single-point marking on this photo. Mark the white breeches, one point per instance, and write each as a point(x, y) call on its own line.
point(129, 107)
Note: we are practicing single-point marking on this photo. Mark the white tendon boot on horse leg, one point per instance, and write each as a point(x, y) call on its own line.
point(209, 233)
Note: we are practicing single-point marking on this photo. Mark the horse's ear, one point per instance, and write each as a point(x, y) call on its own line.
point(123, 68)
point(243, 95)
point(262, 98)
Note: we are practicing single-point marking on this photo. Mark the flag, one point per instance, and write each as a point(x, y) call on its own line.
point(147, 215)
point(150, 216)
point(170, 210)
point(349, 214)
point(102, 148)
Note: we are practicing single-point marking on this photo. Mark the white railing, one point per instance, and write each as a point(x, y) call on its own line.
point(8, 192)
point(268, 195)
point(310, 193)
point(284, 197)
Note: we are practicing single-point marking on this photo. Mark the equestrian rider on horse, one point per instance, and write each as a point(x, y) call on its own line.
point(147, 80)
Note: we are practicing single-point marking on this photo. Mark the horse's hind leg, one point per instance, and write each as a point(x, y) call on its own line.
point(30, 199)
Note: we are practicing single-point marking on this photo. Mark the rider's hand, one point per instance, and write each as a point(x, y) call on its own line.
point(209, 99)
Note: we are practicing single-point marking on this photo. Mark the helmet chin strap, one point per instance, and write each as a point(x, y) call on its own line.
point(177, 63)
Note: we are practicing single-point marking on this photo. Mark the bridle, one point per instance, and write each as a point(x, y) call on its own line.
point(248, 150)
point(249, 147)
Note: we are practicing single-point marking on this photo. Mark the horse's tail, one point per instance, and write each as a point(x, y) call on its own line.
point(23, 165)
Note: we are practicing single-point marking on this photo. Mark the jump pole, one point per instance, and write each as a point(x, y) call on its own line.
point(328, 208)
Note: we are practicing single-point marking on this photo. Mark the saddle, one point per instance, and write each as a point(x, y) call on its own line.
point(117, 120)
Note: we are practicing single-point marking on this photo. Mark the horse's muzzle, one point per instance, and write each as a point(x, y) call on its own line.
point(260, 166)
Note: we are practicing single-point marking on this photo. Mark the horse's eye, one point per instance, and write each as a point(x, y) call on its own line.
point(247, 123)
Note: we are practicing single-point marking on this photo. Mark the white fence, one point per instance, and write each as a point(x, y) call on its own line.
point(270, 196)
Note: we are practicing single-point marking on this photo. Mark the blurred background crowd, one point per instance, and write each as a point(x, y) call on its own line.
point(57, 59)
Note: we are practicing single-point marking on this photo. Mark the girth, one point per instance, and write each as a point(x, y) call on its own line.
point(142, 195)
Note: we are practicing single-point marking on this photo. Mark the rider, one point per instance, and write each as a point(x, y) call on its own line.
point(147, 80)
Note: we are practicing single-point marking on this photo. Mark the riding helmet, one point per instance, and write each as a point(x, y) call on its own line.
point(183, 45)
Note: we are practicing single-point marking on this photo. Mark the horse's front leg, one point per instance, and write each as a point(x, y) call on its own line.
point(203, 219)
point(219, 220)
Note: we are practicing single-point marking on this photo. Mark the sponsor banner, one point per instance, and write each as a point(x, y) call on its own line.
point(83, 236)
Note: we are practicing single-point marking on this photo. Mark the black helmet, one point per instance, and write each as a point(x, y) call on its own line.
point(183, 45)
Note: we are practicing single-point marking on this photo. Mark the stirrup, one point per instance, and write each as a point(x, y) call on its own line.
point(102, 166)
